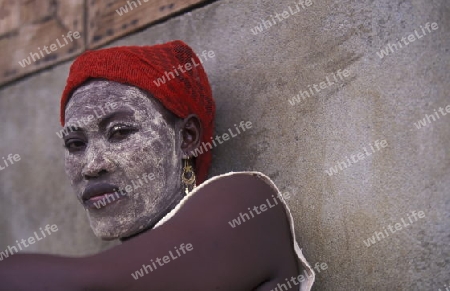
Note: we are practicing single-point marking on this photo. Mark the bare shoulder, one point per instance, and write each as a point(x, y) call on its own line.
point(254, 253)
point(256, 217)
point(240, 187)
point(243, 195)
point(247, 223)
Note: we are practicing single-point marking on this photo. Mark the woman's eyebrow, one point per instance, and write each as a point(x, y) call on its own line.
point(124, 113)
point(68, 129)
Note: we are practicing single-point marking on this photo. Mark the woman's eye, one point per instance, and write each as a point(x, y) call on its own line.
point(74, 145)
point(120, 132)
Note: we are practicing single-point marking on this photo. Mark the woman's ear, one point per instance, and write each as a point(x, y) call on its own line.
point(192, 133)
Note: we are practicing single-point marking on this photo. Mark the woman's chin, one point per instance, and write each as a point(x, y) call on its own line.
point(105, 234)
point(109, 231)
point(111, 226)
point(107, 238)
point(112, 231)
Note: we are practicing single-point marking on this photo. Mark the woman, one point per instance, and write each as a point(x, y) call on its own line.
point(129, 156)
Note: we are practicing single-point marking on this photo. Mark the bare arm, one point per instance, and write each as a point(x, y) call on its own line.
point(42, 272)
point(220, 257)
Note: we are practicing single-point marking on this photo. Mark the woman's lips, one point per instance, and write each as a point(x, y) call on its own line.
point(100, 195)
point(102, 201)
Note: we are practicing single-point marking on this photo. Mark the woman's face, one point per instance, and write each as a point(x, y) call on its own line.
point(123, 157)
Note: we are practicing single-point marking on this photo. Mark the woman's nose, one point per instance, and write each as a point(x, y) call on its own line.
point(97, 164)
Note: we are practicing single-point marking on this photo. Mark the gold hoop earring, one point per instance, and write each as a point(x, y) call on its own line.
point(188, 176)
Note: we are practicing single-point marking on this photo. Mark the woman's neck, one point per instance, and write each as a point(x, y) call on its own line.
point(158, 218)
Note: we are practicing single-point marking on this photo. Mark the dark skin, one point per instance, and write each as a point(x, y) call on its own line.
point(254, 256)
point(257, 255)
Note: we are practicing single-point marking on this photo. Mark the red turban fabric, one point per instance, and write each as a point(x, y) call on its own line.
point(183, 93)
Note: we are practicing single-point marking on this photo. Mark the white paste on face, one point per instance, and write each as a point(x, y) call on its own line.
point(154, 148)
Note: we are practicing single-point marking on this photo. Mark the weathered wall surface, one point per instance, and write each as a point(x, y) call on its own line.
point(253, 78)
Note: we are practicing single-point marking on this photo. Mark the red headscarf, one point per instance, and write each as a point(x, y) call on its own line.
point(187, 92)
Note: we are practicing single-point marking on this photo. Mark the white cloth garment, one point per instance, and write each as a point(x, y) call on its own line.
point(308, 273)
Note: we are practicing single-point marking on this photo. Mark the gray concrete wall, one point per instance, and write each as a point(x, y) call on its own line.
point(253, 77)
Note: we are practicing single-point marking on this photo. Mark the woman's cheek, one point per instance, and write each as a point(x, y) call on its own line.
point(73, 167)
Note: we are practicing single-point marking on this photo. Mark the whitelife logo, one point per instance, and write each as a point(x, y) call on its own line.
point(243, 217)
point(102, 111)
point(203, 147)
point(11, 250)
point(281, 16)
point(411, 38)
point(11, 158)
point(124, 9)
point(378, 236)
point(109, 198)
point(356, 157)
point(323, 85)
point(162, 261)
point(423, 122)
point(37, 56)
point(299, 279)
point(183, 68)
point(446, 288)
